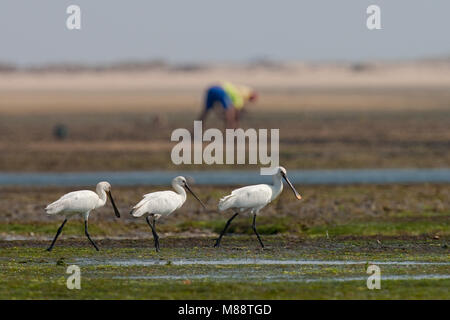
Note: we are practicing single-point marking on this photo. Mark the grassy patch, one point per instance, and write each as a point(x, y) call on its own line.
point(42, 288)
point(400, 226)
point(385, 229)
point(242, 226)
point(71, 228)
point(354, 210)
point(32, 273)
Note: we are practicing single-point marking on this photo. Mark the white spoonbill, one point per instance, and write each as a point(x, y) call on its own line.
point(81, 203)
point(162, 203)
point(254, 198)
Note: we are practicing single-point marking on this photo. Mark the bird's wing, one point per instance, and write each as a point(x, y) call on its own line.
point(148, 197)
point(247, 197)
point(74, 194)
point(77, 201)
point(155, 194)
point(162, 202)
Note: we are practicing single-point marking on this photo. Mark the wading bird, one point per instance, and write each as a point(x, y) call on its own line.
point(81, 203)
point(162, 203)
point(254, 198)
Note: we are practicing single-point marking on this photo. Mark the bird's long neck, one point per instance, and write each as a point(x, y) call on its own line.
point(102, 197)
point(180, 190)
point(277, 186)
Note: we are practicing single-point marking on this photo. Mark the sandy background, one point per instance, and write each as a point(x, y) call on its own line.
point(120, 117)
point(287, 86)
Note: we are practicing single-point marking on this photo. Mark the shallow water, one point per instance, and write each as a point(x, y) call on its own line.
point(298, 278)
point(151, 262)
point(226, 177)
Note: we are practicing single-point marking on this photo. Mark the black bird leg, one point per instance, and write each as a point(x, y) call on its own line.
point(88, 236)
point(224, 230)
point(256, 232)
point(155, 235)
point(56, 236)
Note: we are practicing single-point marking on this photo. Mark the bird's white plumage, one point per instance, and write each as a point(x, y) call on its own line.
point(79, 202)
point(162, 203)
point(74, 202)
point(254, 197)
point(159, 203)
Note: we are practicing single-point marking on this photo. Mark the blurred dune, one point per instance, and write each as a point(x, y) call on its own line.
point(290, 85)
point(120, 117)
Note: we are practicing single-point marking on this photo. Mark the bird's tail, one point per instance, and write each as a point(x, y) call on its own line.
point(226, 202)
point(54, 208)
point(139, 209)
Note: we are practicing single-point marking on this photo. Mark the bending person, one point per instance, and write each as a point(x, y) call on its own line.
point(231, 99)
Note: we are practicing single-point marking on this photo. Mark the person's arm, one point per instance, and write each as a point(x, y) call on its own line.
point(203, 114)
point(230, 118)
point(202, 118)
point(239, 114)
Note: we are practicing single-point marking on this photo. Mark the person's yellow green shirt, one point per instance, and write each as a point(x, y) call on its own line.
point(239, 95)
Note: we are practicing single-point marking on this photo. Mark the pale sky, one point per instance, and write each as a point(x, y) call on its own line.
point(34, 32)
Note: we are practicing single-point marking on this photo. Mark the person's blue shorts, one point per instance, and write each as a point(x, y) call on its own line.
point(217, 94)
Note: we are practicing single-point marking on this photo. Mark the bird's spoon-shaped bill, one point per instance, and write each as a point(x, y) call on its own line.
point(297, 195)
point(192, 192)
point(116, 211)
